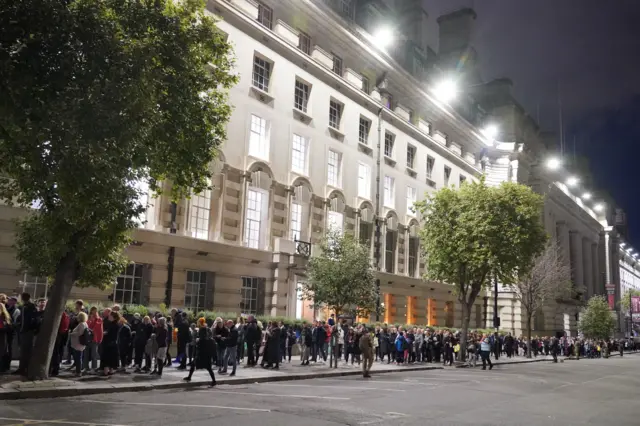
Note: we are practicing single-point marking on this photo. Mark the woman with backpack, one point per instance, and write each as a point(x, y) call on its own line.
point(79, 339)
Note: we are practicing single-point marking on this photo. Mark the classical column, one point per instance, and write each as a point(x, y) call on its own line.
point(595, 270)
point(562, 235)
point(576, 259)
point(587, 263)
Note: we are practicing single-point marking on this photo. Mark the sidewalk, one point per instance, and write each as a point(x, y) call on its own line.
point(65, 385)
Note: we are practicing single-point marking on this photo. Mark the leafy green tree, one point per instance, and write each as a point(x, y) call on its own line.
point(476, 232)
point(95, 98)
point(341, 277)
point(596, 320)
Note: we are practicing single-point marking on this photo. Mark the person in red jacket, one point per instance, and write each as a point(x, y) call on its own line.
point(58, 348)
point(91, 350)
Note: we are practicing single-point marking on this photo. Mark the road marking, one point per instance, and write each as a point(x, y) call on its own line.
point(272, 394)
point(333, 387)
point(157, 404)
point(403, 382)
point(62, 421)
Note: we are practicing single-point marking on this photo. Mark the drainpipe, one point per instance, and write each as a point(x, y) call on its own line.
point(378, 236)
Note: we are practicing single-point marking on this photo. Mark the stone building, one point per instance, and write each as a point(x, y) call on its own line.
point(331, 128)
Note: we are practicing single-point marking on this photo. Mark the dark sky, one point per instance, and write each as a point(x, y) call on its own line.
point(586, 50)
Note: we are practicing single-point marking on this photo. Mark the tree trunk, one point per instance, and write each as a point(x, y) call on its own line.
point(466, 318)
point(45, 340)
point(529, 348)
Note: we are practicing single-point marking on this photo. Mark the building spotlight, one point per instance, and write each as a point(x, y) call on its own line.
point(586, 196)
point(383, 37)
point(622, 245)
point(572, 181)
point(490, 132)
point(598, 207)
point(446, 90)
point(554, 163)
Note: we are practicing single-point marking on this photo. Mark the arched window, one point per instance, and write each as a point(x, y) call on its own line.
point(257, 209)
point(299, 214)
point(335, 215)
point(199, 212)
point(391, 243)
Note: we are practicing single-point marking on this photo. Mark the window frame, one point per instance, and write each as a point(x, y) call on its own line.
point(390, 251)
point(123, 290)
point(265, 19)
point(263, 213)
point(447, 175)
point(190, 284)
point(411, 156)
point(303, 155)
point(301, 95)
point(411, 190)
point(340, 228)
point(261, 81)
point(390, 189)
point(364, 128)
point(430, 166)
point(336, 108)
point(366, 85)
point(338, 167)
point(263, 140)
point(337, 66)
point(389, 141)
point(364, 183)
point(198, 212)
point(34, 282)
point(304, 42)
point(295, 218)
point(250, 286)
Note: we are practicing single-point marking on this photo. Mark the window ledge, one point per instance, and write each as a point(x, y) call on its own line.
point(390, 161)
point(301, 174)
point(411, 172)
point(336, 133)
point(363, 147)
point(259, 158)
point(302, 116)
point(262, 95)
point(431, 182)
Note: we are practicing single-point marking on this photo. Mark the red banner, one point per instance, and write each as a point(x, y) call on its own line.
point(635, 304)
point(611, 293)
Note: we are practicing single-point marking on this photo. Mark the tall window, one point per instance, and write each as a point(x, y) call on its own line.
point(265, 15)
point(364, 181)
point(199, 209)
point(447, 175)
point(299, 154)
point(334, 166)
point(255, 218)
point(365, 233)
point(363, 131)
point(412, 194)
point(463, 179)
point(128, 285)
point(390, 252)
point(261, 73)
point(195, 290)
point(430, 163)
point(258, 138)
point(411, 156)
point(389, 141)
point(335, 221)
point(37, 287)
point(250, 295)
point(389, 191)
point(337, 64)
point(366, 85)
point(296, 221)
point(413, 255)
point(301, 96)
point(335, 114)
point(304, 42)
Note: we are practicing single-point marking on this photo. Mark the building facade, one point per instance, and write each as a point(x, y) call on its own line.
point(330, 130)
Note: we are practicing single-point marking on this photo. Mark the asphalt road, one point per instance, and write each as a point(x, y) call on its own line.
point(584, 392)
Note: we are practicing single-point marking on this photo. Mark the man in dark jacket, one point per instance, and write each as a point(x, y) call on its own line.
point(184, 335)
point(307, 343)
point(231, 347)
point(252, 336)
point(321, 336)
point(28, 328)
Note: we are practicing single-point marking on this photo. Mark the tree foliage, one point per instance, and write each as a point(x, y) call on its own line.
point(625, 303)
point(341, 277)
point(596, 321)
point(549, 278)
point(476, 232)
point(95, 98)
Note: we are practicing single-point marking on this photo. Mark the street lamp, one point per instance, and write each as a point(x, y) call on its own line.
point(572, 181)
point(598, 207)
point(586, 196)
point(383, 37)
point(446, 90)
point(554, 163)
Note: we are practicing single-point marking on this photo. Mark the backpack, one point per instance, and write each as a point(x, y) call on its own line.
point(86, 337)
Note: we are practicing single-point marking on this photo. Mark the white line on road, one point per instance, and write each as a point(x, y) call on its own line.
point(401, 382)
point(157, 404)
point(273, 394)
point(65, 422)
point(333, 387)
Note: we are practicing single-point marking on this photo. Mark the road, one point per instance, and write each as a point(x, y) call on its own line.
point(584, 392)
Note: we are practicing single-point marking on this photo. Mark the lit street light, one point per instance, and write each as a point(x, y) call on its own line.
point(572, 181)
point(586, 195)
point(383, 37)
point(553, 163)
point(446, 90)
point(598, 207)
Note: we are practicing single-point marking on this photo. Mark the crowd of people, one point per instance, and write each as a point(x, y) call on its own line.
point(106, 342)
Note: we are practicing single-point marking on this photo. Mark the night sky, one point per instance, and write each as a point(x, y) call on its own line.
point(586, 50)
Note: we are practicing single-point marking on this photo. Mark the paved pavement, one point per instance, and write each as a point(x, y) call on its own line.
point(585, 392)
point(13, 387)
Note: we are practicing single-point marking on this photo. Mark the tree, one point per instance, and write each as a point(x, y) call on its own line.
point(596, 321)
point(99, 98)
point(550, 277)
point(476, 232)
point(625, 303)
point(341, 278)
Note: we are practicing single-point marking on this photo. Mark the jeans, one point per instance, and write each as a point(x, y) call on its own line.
point(486, 358)
point(90, 353)
point(230, 357)
point(77, 359)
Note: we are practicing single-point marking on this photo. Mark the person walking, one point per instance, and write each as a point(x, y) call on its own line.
point(306, 338)
point(204, 352)
point(485, 352)
point(231, 347)
point(28, 329)
point(366, 347)
point(162, 338)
